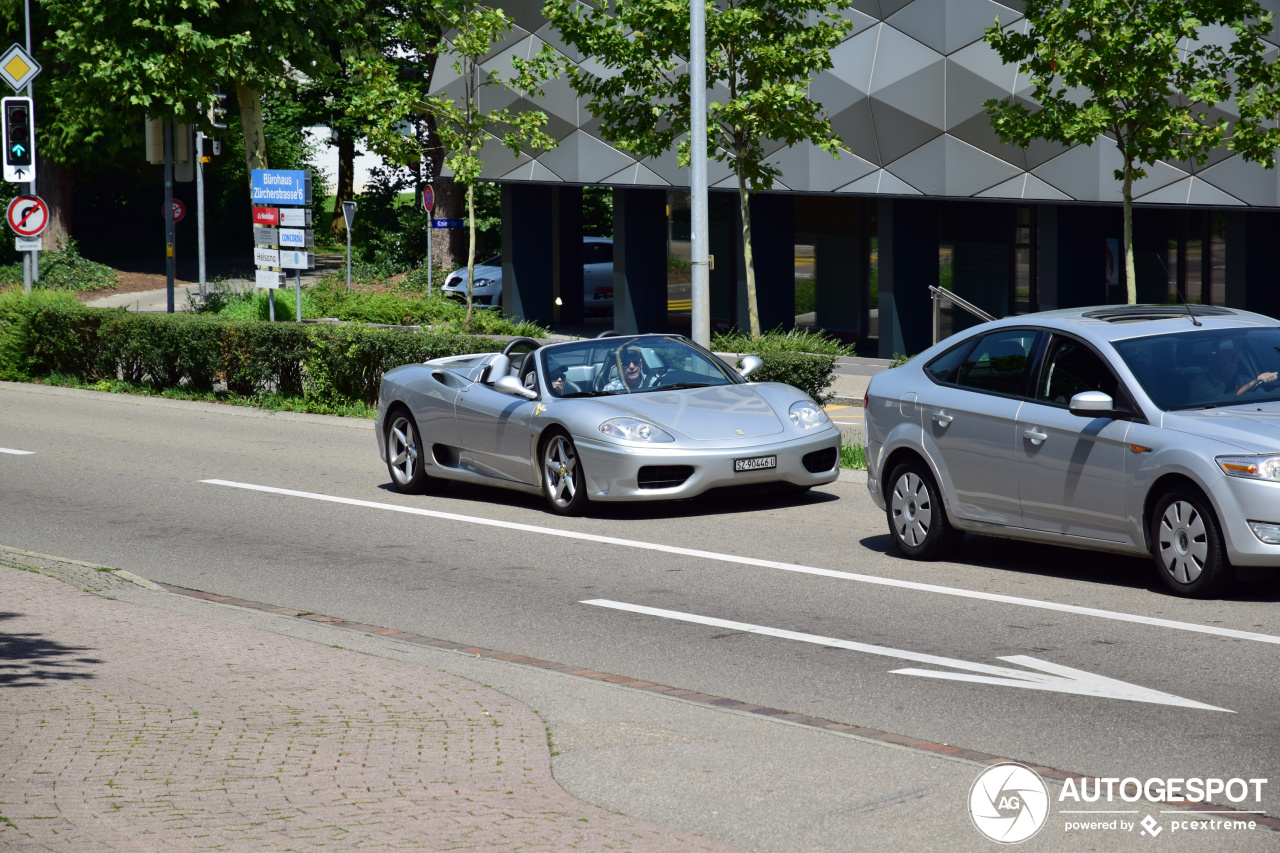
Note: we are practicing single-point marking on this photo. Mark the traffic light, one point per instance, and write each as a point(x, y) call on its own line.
point(218, 111)
point(19, 140)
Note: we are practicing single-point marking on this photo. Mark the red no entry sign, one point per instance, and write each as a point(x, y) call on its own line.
point(179, 211)
point(28, 215)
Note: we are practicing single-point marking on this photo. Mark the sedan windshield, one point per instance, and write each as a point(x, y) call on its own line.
point(1206, 368)
point(630, 365)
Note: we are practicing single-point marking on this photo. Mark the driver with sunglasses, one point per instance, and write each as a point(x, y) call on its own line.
point(635, 374)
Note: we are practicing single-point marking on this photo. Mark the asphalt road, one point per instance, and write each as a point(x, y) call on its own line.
point(801, 604)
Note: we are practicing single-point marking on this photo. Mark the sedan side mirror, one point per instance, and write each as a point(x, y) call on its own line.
point(1094, 404)
point(511, 385)
point(750, 364)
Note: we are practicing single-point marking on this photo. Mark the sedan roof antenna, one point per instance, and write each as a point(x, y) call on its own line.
point(1177, 291)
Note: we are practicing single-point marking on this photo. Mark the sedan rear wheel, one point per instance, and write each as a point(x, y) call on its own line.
point(1187, 544)
point(563, 482)
point(405, 460)
point(917, 519)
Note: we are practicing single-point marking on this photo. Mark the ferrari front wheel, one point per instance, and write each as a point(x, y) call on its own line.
point(563, 483)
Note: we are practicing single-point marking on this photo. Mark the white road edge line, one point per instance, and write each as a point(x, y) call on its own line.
point(16, 452)
point(772, 564)
point(1052, 677)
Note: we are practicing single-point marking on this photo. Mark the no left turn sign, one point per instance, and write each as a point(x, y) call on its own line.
point(28, 215)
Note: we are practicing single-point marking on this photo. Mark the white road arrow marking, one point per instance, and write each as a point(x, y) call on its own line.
point(16, 452)
point(1051, 677)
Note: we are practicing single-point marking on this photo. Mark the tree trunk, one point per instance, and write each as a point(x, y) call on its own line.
point(346, 184)
point(255, 139)
point(449, 245)
point(753, 308)
point(1130, 277)
point(56, 189)
point(471, 248)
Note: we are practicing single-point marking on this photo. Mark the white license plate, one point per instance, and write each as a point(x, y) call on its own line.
point(755, 463)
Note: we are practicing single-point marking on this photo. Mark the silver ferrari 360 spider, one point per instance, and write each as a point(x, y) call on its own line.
point(617, 418)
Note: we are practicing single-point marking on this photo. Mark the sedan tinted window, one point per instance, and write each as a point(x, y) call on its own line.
point(998, 361)
point(1205, 368)
point(943, 367)
point(1070, 369)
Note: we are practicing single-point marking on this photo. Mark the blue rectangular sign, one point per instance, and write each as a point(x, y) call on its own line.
point(448, 223)
point(281, 186)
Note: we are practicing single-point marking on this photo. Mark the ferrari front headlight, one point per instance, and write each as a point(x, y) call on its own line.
point(1251, 467)
point(806, 414)
point(634, 429)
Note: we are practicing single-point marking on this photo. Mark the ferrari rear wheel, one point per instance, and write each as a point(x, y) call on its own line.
point(405, 457)
point(563, 483)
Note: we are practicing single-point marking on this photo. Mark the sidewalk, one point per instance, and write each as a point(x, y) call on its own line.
point(139, 729)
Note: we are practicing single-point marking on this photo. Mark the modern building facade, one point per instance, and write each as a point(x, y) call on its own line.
point(925, 194)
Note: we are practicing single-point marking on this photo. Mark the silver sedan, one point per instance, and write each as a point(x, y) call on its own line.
point(1144, 430)
point(619, 418)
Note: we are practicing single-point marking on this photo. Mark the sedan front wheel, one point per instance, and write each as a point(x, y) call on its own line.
point(1187, 544)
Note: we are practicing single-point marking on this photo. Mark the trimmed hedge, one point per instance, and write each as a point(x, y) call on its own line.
point(45, 335)
point(809, 372)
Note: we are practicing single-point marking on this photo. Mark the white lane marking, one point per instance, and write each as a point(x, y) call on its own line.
point(1060, 679)
point(772, 564)
point(16, 452)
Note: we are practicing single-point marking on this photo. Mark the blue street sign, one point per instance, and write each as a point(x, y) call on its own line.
point(448, 223)
point(281, 186)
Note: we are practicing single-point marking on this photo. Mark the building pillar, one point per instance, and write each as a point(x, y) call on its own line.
point(639, 260)
point(567, 285)
point(1080, 253)
point(527, 260)
point(773, 232)
point(1253, 279)
point(908, 247)
point(839, 259)
point(982, 245)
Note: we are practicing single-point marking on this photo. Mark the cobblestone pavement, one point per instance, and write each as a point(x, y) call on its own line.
point(135, 728)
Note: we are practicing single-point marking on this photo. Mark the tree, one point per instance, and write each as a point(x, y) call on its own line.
point(123, 59)
point(764, 52)
point(1147, 74)
point(461, 126)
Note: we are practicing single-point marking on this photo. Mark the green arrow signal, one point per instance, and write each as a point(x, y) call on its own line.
point(18, 150)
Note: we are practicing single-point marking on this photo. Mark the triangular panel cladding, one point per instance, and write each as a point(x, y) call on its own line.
point(526, 14)
point(833, 93)
point(1086, 173)
point(898, 57)
point(949, 167)
point(498, 159)
point(978, 133)
point(867, 7)
point(583, 159)
point(854, 59)
point(636, 175)
point(924, 168)
point(532, 171)
point(1189, 191)
point(897, 133)
point(1026, 187)
point(921, 95)
point(1248, 182)
point(960, 23)
point(808, 168)
point(860, 20)
point(966, 94)
point(985, 62)
point(558, 98)
point(857, 131)
point(880, 183)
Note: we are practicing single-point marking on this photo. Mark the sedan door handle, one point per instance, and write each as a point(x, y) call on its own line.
point(1036, 435)
point(941, 418)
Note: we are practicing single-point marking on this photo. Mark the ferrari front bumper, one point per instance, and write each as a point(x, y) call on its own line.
point(615, 472)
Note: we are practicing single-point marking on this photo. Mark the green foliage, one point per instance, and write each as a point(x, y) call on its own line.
point(853, 456)
point(899, 359)
point(52, 337)
point(1148, 73)
point(65, 269)
point(778, 340)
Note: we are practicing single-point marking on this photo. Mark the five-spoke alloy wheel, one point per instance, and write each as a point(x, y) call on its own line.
point(917, 519)
point(563, 482)
point(1187, 544)
point(405, 460)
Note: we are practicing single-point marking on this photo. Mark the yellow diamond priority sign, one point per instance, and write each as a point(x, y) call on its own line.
point(18, 68)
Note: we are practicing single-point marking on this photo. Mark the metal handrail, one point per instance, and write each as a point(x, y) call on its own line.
point(937, 294)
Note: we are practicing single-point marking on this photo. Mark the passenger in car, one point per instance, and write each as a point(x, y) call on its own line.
point(1223, 376)
point(634, 373)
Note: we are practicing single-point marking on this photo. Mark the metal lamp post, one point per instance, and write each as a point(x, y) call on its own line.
point(699, 238)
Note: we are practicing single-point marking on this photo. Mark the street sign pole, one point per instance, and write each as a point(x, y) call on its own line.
point(429, 201)
point(200, 203)
point(349, 217)
point(34, 257)
point(700, 237)
point(297, 289)
point(168, 213)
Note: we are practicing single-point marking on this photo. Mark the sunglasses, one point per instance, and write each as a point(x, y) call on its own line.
point(633, 359)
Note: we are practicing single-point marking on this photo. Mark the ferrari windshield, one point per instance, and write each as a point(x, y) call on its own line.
point(630, 365)
point(1206, 368)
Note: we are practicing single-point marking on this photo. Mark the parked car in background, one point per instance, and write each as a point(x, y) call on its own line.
point(597, 278)
point(1147, 430)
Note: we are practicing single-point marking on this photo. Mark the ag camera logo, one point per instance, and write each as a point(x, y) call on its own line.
point(1008, 803)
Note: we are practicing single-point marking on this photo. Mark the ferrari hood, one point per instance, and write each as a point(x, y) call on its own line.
point(705, 414)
